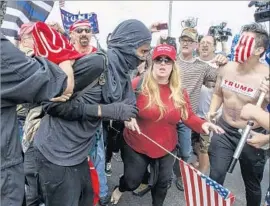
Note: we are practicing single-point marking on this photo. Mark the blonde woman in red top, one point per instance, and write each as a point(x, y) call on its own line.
point(162, 103)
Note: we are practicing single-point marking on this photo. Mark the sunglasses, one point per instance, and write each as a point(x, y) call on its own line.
point(167, 61)
point(186, 41)
point(79, 30)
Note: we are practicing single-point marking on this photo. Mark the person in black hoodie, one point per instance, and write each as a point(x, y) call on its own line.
point(65, 135)
point(23, 79)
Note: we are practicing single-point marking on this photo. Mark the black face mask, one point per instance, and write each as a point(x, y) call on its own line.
point(133, 62)
point(142, 59)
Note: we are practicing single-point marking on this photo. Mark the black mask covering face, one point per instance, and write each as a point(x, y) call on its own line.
point(123, 43)
point(127, 38)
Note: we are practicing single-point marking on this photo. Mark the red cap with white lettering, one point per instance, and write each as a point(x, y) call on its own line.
point(164, 50)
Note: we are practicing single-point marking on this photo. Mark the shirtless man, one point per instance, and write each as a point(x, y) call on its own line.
point(237, 84)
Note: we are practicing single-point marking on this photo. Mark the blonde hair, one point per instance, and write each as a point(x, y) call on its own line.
point(150, 88)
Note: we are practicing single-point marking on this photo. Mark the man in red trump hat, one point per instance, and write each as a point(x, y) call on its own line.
point(80, 36)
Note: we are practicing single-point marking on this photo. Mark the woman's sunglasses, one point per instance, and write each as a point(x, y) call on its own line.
point(167, 61)
point(79, 30)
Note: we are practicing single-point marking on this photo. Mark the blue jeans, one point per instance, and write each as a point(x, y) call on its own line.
point(184, 143)
point(98, 158)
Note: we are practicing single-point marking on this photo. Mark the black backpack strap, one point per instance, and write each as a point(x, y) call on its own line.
point(81, 93)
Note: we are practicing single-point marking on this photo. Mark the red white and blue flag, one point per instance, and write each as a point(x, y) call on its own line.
point(21, 12)
point(201, 190)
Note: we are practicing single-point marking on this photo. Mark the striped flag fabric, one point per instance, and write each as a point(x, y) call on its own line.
point(20, 12)
point(200, 190)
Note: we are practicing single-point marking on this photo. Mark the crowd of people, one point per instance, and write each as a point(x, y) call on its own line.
point(66, 104)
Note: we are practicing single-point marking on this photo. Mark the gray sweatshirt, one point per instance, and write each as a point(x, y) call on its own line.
point(66, 142)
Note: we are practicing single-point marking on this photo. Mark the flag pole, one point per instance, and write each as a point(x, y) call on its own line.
point(170, 18)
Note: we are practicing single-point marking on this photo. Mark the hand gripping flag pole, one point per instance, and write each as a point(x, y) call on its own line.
point(245, 136)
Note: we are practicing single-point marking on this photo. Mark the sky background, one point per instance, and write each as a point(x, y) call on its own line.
point(111, 13)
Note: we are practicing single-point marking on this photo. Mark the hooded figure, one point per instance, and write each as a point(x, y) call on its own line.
point(123, 56)
point(67, 131)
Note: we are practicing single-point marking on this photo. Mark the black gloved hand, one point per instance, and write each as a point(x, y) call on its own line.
point(115, 111)
point(119, 111)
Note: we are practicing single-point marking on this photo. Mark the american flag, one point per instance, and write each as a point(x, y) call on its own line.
point(200, 190)
point(20, 12)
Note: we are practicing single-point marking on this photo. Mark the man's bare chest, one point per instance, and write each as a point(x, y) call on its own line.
point(243, 88)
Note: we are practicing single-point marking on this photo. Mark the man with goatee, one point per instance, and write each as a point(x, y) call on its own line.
point(80, 36)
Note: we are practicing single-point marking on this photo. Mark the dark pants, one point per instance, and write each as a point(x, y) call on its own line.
point(33, 192)
point(12, 186)
point(57, 185)
point(114, 136)
point(135, 166)
point(252, 161)
point(267, 197)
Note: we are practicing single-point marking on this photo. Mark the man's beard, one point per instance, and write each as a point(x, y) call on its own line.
point(84, 41)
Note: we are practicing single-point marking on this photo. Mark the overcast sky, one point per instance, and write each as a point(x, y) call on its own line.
point(111, 13)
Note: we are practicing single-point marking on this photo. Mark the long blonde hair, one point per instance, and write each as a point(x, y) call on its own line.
point(150, 88)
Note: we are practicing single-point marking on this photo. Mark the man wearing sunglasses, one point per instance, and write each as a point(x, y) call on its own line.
point(80, 36)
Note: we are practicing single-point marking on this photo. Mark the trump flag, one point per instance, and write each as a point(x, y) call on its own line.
point(68, 19)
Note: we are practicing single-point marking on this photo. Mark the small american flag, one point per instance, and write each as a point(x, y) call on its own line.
point(200, 190)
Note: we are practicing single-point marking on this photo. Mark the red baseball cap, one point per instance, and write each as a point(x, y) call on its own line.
point(164, 50)
point(79, 23)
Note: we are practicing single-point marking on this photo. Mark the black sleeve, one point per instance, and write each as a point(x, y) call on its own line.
point(72, 110)
point(25, 79)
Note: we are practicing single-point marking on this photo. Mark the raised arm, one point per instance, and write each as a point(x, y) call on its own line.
point(212, 71)
point(73, 110)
